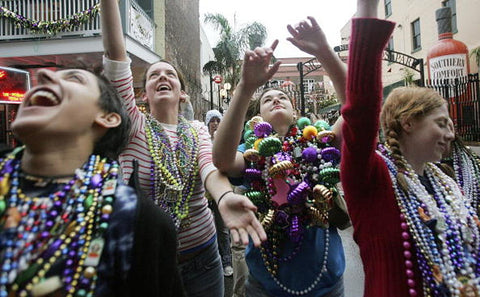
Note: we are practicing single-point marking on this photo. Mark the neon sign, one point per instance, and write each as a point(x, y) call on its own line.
point(14, 83)
point(12, 97)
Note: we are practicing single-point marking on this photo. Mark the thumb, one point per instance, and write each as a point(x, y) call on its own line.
point(249, 205)
point(274, 69)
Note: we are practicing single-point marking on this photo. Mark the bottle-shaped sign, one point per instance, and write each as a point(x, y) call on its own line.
point(448, 58)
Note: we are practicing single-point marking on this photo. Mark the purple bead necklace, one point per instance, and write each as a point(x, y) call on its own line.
point(306, 167)
point(173, 170)
point(54, 232)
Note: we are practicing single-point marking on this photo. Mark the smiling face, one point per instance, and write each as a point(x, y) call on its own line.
point(163, 85)
point(431, 131)
point(276, 107)
point(64, 102)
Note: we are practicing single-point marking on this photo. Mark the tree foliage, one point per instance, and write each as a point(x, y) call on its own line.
point(232, 45)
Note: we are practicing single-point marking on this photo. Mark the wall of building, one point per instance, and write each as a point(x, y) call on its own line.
point(159, 17)
point(206, 55)
point(182, 42)
point(404, 12)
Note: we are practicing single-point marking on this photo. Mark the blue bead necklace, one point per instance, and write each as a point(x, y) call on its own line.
point(54, 243)
point(443, 229)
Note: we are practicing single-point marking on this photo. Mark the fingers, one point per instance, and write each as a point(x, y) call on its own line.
point(274, 44)
point(235, 235)
point(292, 31)
point(313, 21)
point(253, 234)
point(257, 229)
point(243, 235)
point(274, 69)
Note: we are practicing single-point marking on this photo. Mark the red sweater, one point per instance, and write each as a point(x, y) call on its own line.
point(365, 178)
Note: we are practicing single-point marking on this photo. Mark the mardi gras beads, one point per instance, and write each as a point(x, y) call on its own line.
point(173, 170)
point(57, 232)
point(290, 168)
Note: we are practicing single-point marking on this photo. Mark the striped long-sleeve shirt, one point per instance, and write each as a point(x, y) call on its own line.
point(200, 228)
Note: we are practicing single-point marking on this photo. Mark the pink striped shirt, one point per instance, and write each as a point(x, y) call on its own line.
point(201, 227)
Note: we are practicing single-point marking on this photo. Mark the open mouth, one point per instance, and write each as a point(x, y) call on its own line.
point(164, 88)
point(43, 98)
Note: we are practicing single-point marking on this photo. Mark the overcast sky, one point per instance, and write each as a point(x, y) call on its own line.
point(332, 15)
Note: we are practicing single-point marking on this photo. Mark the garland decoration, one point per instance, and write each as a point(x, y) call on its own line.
point(54, 242)
point(51, 27)
point(292, 182)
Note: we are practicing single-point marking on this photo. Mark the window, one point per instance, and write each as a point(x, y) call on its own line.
point(308, 85)
point(388, 7)
point(453, 7)
point(390, 44)
point(416, 41)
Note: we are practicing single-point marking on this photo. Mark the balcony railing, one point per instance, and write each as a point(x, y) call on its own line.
point(27, 19)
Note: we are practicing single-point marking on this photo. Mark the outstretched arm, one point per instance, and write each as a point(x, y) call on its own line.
point(309, 37)
point(367, 9)
point(112, 35)
point(237, 211)
point(256, 71)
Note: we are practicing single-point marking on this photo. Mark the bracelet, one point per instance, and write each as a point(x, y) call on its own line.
point(223, 195)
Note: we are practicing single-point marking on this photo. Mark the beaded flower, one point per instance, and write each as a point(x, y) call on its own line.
point(292, 181)
point(54, 242)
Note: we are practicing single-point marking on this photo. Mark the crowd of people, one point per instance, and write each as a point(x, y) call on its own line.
point(105, 200)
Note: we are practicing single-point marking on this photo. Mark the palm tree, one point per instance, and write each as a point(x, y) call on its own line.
point(229, 50)
point(476, 53)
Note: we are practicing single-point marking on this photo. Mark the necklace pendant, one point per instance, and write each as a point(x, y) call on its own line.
point(94, 252)
point(109, 187)
point(170, 196)
point(468, 288)
point(13, 218)
point(185, 223)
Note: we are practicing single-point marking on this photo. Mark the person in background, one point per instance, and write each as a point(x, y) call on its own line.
point(417, 233)
point(212, 119)
point(174, 163)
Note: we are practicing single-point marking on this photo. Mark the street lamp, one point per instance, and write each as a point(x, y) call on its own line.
point(227, 88)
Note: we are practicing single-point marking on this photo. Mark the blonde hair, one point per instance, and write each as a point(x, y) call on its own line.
point(403, 104)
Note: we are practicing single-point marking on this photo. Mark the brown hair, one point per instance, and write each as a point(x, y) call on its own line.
point(255, 103)
point(405, 103)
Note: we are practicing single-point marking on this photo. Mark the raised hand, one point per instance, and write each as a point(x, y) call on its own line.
point(367, 8)
point(309, 37)
point(256, 70)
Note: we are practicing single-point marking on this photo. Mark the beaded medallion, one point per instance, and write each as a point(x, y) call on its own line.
point(293, 184)
point(53, 244)
point(174, 169)
point(442, 229)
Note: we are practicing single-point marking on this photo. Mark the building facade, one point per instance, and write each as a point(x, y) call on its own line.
point(56, 33)
point(416, 32)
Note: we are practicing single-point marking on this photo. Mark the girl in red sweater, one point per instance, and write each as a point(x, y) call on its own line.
point(418, 236)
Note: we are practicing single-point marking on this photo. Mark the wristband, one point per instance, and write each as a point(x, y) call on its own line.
point(223, 195)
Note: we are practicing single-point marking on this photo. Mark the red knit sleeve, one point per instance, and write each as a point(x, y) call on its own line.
point(364, 93)
point(365, 178)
